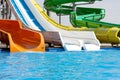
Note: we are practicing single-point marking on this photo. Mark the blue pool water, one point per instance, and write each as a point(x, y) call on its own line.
point(84, 65)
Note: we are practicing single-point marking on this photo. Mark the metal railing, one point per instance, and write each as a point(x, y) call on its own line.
point(5, 11)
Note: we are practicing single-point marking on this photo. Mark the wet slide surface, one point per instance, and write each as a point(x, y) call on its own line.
point(18, 39)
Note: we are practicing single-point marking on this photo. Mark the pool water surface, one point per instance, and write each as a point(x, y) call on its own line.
point(84, 65)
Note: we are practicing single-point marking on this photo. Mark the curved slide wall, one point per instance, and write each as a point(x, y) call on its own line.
point(69, 38)
point(90, 17)
point(18, 39)
point(58, 6)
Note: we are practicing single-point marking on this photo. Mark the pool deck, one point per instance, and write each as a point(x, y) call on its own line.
point(103, 45)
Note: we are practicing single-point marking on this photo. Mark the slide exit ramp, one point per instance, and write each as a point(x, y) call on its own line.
point(49, 25)
point(18, 39)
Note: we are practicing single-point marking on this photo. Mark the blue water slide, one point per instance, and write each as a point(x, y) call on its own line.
point(28, 12)
point(18, 12)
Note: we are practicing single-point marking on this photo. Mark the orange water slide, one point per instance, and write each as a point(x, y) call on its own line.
point(18, 39)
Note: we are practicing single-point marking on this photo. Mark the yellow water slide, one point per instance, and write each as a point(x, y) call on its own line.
point(18, 39)
point(107, 35)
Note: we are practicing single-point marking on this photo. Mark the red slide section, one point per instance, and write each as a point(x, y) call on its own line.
point(18, 39)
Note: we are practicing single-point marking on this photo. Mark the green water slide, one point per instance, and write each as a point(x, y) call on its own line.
point(59, 7)
point(79, 16)
point(86, 16)
point(90, 17)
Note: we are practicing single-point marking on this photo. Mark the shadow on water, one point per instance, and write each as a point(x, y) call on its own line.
point(5, 51)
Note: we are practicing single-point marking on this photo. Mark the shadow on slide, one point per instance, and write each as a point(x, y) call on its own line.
point(18, 39)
